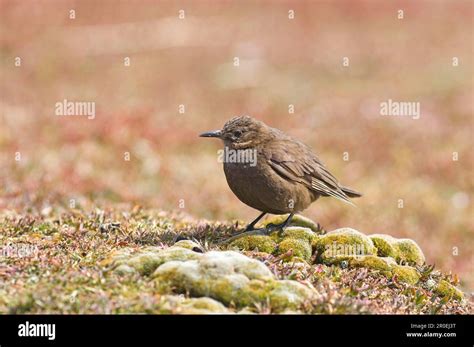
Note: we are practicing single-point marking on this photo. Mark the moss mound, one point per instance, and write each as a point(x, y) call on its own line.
point(342, 244)
point(232, 279)
point(402, 250)
point(293, 242)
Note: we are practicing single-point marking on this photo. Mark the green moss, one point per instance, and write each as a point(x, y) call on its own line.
point(297, 220)
point(409, 252)
point(261, 243)
point(299, 233)
point(383, 264)
point(384, 245)
point(297, 239)
point(402, 250)
point(406, 274)
point(299, 248)
point(342, 244)
point(447, 290)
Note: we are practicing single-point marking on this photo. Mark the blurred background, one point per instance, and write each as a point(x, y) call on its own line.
point(182, 80)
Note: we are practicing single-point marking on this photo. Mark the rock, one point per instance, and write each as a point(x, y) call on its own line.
point(231, 277)
point(342, 244)
point(297, 220)
point(447, 290)
point(173, 304)
point(402, 250)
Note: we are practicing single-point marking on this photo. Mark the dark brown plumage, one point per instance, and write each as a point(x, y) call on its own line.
point(286, 177)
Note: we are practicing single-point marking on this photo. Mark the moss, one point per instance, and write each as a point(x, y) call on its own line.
point(300, 248)
point(402, 250)
point(342, 244)
point(230, 278)
point(285, 294)
point(297, 220)
point(406, 274)
point(299, 233)
point(297, 239)
point(383, 264)
point(409, 252)
point(447, 290)
point(384, 245)
point(261, 243)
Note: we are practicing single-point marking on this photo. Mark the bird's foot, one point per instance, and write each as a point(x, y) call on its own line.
point(270, 228)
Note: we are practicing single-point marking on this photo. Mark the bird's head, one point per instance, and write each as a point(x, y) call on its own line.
point(240, 132)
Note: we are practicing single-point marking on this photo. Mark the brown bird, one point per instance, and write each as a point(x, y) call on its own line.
point(272, 172)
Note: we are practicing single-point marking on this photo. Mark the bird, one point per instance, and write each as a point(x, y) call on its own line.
point(272, 172)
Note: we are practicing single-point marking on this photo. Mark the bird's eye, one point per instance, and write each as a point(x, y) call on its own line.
point(237, 133)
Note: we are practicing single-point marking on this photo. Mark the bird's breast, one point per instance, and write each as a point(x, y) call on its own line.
point(258, 186)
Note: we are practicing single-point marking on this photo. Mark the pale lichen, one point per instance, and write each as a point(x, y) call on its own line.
point(230, 278)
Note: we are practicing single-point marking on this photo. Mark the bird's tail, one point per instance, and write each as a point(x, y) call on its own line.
point(351, 193)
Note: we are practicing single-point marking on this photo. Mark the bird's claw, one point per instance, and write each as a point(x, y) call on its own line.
point(270, 228)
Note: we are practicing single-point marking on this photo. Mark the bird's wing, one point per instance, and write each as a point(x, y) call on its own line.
point(294, 161)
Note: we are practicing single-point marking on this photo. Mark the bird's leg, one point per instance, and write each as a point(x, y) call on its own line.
point(252, 225)
point(272, 227)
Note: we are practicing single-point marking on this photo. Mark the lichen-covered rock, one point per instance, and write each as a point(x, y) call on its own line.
point(262, 243)
point(231, 277)
point(147, 260)
point(447, 290)
point(172, 304)
point(297, 220)
point(402, 250)
point(342, 244)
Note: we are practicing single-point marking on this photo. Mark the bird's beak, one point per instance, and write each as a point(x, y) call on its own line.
point(215, 133)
